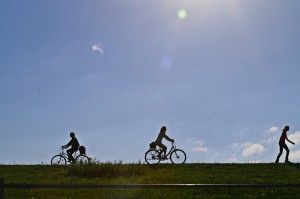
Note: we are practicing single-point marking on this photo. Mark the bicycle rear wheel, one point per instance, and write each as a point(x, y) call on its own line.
point(58, 160)
point(152, 156)
point(82, 159)
point(178, 156)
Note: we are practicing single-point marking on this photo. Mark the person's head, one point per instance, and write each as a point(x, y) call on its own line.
point(163, 129)
point(72, 134)
point(286, 128)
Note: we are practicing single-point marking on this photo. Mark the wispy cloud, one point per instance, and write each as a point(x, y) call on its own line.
point(273, 129)
point(241, 145)
point(196, 145)
point(200, 149)
point(98, 48)
point(272, 140)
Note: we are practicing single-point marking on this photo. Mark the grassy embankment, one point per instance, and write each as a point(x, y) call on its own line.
point(118, 173)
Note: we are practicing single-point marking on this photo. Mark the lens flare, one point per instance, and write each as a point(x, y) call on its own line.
point(181, 14)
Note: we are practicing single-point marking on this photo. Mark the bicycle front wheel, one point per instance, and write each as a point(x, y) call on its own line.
point(152, 156)
point(82, 159)
point(178, 156)
point(58, 160)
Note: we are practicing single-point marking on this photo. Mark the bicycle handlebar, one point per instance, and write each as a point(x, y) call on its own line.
point(173, 144)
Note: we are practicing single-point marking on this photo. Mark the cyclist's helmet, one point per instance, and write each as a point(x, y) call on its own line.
point(72, 134)
point(164, 128)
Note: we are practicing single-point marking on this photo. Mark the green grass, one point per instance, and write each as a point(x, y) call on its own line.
point(137, 173)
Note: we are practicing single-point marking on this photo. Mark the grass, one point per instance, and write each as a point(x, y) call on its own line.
point(108, 170)
point(138, 173)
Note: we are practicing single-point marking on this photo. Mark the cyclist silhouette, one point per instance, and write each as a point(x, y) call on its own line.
point(282, 145)
point(74, 146)
point(158, 142)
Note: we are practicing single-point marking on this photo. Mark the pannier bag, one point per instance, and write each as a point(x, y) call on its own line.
point(82, 150)
point(152, 145)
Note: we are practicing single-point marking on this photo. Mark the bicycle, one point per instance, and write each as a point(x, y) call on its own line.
point(62, 158)
point(154, 156)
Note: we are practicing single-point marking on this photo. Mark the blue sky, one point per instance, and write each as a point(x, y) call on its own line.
point(223, 79)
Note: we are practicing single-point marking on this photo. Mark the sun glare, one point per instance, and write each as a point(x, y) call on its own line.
point(181, 14)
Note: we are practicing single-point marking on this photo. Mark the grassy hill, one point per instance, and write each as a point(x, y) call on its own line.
point(119, 173)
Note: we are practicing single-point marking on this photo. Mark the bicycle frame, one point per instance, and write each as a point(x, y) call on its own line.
point(62, 158)
point(65, 155)
point(170, 151)
point(154, 155)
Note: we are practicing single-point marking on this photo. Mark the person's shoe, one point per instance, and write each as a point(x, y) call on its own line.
point(276, 161)
point(164, 158)
point(288, 162)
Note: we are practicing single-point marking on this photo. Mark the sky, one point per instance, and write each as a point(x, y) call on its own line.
point(223, 76)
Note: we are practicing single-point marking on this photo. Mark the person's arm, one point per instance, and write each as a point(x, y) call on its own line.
point(67, 145)
point(290, 141)
point(168, 138)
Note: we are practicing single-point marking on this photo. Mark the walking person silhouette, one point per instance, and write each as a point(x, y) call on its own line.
point(282, 145)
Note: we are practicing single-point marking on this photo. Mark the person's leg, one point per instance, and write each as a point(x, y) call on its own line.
point(163, 147)
point(280, 152)
point(70, 154)
point(287, 153)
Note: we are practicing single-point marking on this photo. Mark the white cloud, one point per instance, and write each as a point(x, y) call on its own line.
point(253, 149)
point(294, 156)
point(249, 148)
point(273, 129)
point(98, 48)
point(295, 137)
